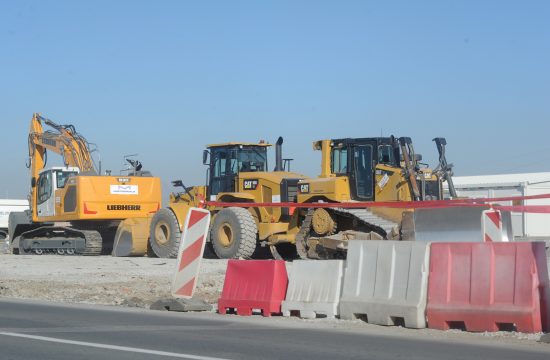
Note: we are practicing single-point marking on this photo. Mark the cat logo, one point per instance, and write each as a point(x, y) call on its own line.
point(250, 184)
point(304, 188)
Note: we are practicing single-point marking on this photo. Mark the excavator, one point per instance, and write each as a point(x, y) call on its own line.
point(237, 172)
point(74, 210)
point(378, 169)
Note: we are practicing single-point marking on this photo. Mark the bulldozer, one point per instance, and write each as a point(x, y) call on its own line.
point(74, 210)
point(377, 169)
point(237, 172)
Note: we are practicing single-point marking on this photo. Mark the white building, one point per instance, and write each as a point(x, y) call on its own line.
point(491, 186)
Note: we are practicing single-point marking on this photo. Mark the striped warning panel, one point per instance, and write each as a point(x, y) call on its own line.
point(492, 226)
point(193, 240)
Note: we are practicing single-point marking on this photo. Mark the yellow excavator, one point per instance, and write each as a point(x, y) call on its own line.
point(380, 169)
point(237, 173)
point(75, 210)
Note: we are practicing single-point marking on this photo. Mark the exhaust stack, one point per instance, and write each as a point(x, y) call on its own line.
point(279, 154)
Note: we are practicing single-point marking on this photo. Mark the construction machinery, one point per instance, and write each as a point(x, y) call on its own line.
point(380, 169)
point(73, 208)
point(237, 173)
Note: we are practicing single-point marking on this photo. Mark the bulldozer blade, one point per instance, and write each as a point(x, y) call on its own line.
point(131, 237)
point(455, 224)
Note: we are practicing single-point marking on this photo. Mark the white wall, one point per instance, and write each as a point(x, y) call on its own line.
point(523, 224)
point(7, 206)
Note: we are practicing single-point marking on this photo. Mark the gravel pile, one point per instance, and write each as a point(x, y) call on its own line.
point(100, 279)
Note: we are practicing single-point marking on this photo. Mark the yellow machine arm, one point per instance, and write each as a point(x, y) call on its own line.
point(63, 140)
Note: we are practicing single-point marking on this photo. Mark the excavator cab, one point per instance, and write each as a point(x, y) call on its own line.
point(48, 184)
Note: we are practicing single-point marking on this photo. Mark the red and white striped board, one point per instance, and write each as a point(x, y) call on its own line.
point(193, 240)
point(492, 226)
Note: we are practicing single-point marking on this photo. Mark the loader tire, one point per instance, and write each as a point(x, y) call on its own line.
point(233, 234)
point(165, 234)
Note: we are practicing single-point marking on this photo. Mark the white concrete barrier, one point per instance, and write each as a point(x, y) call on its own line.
point(386, 282)
point(314, 287)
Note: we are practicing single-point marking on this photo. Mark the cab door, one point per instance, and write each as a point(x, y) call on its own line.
point(362, 174)
point(222, 171)
point(45, 199)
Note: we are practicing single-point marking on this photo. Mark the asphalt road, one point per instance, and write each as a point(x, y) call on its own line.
point(36, 330)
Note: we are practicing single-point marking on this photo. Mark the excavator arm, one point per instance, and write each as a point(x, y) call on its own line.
point(62, 140)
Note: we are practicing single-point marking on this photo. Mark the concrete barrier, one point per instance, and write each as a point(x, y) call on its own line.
point(488, 287)
point(386, 282)
point(314, 288)
point(254, 284)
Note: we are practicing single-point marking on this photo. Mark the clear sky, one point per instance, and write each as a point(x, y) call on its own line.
point(164, 78)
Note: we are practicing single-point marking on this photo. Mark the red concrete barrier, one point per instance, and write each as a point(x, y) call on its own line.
point(488, 286)
point(254, 284)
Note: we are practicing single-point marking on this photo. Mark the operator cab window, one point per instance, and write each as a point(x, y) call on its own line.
point(252, 159)
point(44, 187)
point(339, 163)
point(62, 177)
point(385, 155)
point(220, 163)
point(362, 158)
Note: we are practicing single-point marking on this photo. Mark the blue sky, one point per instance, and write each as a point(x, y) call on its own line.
point(164, 78)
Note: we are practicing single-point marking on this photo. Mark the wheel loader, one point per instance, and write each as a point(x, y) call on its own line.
point(73, 209)
point(378, 169)
point(237, 173)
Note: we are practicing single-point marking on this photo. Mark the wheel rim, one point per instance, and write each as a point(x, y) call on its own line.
point(70, 251)
point(38, 251)
point(162, 233)
point(225, 235)
point(61, 251)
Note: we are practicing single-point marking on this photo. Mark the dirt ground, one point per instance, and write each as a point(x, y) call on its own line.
point(100, 279)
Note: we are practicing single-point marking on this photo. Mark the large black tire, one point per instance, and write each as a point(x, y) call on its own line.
point(233, 234)
point(165, 234)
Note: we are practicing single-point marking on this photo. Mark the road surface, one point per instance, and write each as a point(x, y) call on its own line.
point(39, 330)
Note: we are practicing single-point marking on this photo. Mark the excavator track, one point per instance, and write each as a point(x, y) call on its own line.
point(60, 241)
point(94, 243)
point(311, 247)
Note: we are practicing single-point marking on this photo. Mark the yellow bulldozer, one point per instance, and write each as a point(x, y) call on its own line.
point(73, 209)
point(237, 173)
point(380, 169)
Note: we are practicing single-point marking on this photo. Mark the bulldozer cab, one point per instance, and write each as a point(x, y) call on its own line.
point(230, 159)
point(357, 159)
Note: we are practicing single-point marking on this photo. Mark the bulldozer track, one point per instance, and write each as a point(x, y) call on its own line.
point(367, 218)
point(303, 235)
